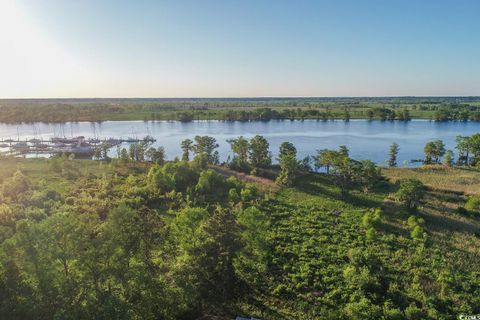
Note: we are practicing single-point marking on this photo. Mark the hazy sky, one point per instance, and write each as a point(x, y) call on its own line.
point(236, 48)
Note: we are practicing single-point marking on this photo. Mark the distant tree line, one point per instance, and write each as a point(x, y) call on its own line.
point(185, 110)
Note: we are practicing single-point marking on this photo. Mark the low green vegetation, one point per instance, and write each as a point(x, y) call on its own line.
point(473, 204)
point(325, 237)
point(134, 239)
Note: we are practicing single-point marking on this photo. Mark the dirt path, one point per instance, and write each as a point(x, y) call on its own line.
point(263, 183)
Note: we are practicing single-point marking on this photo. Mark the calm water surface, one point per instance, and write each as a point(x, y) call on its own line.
point(365, 139)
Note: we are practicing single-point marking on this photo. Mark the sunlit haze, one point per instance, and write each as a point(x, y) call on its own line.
point(60, 48)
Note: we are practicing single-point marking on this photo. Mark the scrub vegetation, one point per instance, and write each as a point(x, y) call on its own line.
point(326, 237)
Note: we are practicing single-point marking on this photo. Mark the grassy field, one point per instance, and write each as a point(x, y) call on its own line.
point(314, 230)
point(458, 179)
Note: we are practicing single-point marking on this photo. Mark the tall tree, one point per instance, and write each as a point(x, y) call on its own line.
point(434, 150)
point(240, 148)
point(325, 159)
point(137, 151)
point(287, 159)
point(123, 155)
point(258, 152)
point(217, 256)
point(368, 175)
point(187, 147)
point(463, 147)
point(286, 148)
point(392, 160)
point(345, 172)
point(208, 245)
point(474, 146)
point(156, 155)
point(207, 145)
point(429, 150)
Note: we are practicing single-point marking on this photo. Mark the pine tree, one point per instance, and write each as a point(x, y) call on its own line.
point(392, 160)
point(448, 159)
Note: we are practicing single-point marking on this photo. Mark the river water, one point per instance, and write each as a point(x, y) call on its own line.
point(365, 139)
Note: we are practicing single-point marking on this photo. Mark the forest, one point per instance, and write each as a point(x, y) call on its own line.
point(241, 109)
point(139, 236)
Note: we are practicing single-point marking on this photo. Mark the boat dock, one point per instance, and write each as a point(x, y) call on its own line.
point(80, 145)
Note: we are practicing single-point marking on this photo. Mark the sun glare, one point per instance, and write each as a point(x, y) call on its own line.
point(30, 61)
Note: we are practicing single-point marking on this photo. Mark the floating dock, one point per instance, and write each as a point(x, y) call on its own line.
point(62, 145)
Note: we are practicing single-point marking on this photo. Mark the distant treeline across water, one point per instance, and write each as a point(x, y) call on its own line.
point(240, 109)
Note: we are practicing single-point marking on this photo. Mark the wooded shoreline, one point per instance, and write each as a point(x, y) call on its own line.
point(240, 109)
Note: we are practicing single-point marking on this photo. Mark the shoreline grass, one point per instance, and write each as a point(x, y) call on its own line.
point(460, 180)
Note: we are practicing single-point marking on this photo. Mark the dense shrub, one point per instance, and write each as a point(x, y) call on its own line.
point(410, 193)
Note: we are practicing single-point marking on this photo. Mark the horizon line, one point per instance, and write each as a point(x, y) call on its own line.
point(248, 97)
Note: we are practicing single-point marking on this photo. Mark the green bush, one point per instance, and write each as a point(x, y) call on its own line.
point(372, 218)
point(392, 313)
point(362, 310)
point(410, 193)
point(371, 221)
point(414, 221)
point(371, 234)
point(473, 203)
point(418, 233)
point(416, 225)
point(412, 312)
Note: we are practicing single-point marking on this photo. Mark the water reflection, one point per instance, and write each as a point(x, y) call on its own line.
point(365, 139)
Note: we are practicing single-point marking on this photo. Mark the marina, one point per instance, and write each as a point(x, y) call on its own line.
point(79, 146)
point(365, 139)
